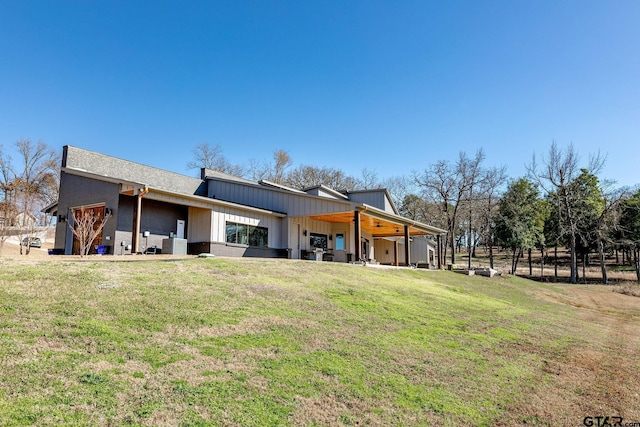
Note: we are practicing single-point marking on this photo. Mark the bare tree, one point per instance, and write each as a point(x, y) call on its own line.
point(87, 226)
point(399, 187)
point(473, 176)
point(211, 157)
point(449, 186)
point(557, 174)
point(368, 179)
point(275, 171)
point(489, 197)
point(306, 176)
point(29, 186)
point(258, 170)
point(281, 161)
point(7, 207)
point(608, 220)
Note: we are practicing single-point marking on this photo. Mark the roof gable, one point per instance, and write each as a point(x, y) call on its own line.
point(324, 191)
point(74, 158)
point(379, 198)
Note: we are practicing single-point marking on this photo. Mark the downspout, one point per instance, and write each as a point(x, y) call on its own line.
point(136, 234)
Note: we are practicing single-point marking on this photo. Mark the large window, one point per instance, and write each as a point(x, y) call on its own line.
point(318, 241)
point(249, 235)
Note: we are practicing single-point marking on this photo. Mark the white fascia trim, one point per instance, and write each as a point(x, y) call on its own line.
point(399, 219)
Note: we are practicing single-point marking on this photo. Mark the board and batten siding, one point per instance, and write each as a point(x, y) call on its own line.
point(221, 215)
point(387, 206)
point(419, 252)
point(326, 194)
point(296, 234)
point(298, 225)
point(377, 199)
point(292, 204)
point(199, 229)
point(321, 192)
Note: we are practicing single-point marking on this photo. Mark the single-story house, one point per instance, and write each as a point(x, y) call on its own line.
point(25, 220)
point(151, 209)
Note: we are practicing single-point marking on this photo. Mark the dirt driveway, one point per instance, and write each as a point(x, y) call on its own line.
point(600, 379)
point(599, 298)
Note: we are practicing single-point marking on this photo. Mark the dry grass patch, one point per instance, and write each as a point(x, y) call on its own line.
point(628, 288)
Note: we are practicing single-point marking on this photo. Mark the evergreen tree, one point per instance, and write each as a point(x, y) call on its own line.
point(520, 219)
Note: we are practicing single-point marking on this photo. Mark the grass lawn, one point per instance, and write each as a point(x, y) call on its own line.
point(243, 342)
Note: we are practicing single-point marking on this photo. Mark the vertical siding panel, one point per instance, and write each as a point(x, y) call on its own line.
point(278, 203)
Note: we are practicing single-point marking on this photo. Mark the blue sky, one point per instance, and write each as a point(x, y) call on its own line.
point(387, 86)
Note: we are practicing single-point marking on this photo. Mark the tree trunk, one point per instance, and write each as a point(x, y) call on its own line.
point(517, 253)
point(603, 267)
point(542, 262)
point(530, 265)
point(574, 260)
point(491, 254)
point(635, 259)
point(470, 247)
point(475, 246)
point(453, 247)
point(444, 245)
point(555, 263)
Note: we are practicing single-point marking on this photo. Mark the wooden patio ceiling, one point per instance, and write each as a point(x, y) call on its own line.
point(378, 227)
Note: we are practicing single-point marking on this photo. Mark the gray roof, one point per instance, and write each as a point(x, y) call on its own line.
point(210, 173)
point(75, 158)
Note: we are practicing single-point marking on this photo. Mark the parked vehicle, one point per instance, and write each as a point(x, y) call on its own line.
point(34, 242)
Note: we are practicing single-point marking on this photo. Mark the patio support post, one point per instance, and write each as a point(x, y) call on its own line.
point(136, 231)
point(407, 243)
point(439, 249)
point(395, 253)
point(356, 234)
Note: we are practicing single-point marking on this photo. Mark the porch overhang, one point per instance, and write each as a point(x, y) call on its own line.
point(379, 223)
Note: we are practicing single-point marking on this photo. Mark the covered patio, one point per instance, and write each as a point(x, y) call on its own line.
point(382, 225)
